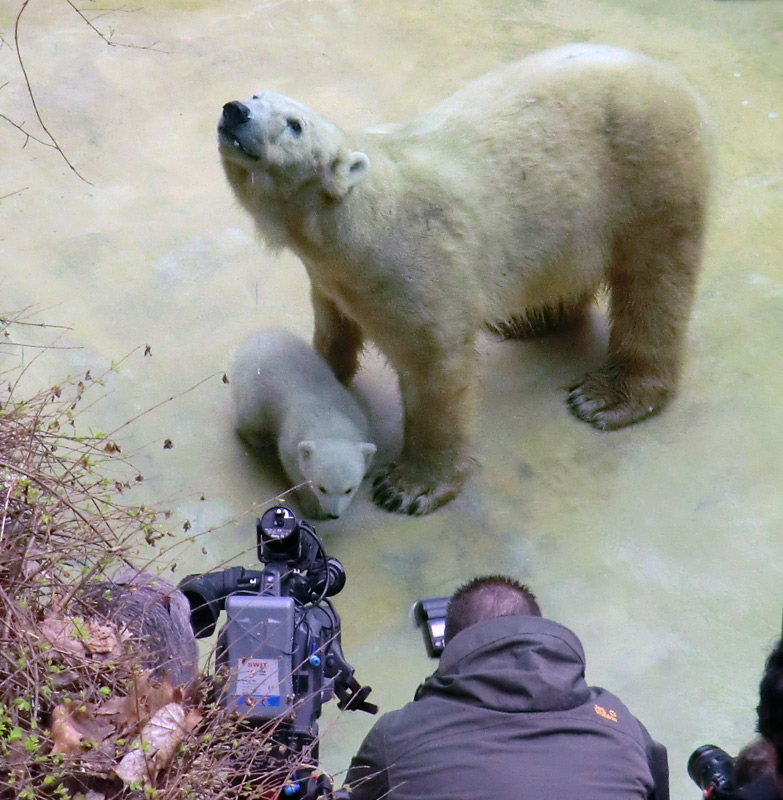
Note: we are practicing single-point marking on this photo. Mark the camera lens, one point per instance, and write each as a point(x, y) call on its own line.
point(278, 535)
point(710, 766)
point(277, 523)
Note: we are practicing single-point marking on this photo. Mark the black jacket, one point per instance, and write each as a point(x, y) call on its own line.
point(763, 788)
point(508, 716)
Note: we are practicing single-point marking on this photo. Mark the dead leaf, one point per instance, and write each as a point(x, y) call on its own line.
point(142, 702)
point(165, 731)
point(133, 767)
point(145, 700)
point(192, 719)
point(66, 737)
point(60, 634)
point(72, 723)
point(101, 639)
point(31, 568)
point(119, 706)
point(159, 738)
point(156, 697)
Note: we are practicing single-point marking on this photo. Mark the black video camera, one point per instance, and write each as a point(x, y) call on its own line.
point(280, 645)
point(712, 770)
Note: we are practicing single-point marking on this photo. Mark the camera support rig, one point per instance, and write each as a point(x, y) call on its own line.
point(280, 644)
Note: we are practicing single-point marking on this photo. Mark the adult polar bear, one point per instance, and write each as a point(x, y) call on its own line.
point(507, 205)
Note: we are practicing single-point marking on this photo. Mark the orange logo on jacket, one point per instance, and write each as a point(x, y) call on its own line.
point(602, 712)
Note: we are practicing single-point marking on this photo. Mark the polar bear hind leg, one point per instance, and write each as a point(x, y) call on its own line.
point(652, 282)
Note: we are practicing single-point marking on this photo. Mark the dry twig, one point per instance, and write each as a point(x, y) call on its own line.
point(79, 696)
point(108, 40)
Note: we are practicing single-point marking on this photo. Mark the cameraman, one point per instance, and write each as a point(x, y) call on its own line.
point(757, 772)
point(508, 714)
point(767, 784)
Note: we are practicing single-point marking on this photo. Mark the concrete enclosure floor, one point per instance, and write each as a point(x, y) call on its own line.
point(660, 545)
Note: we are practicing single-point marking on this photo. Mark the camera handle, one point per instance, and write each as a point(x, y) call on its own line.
point(350, 693)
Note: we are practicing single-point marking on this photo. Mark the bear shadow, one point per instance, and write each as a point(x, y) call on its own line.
point(514, 369)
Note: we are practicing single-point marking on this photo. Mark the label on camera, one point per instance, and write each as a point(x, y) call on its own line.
point(259, 678)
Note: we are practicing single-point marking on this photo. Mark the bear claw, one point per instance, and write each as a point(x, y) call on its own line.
point(608, 406)
point(399, 496)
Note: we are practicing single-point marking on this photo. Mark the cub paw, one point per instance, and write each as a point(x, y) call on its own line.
point(395, 492)
point(609, 401)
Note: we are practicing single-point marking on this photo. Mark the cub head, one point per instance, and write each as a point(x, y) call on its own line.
point(273, 146)
point(335, 469)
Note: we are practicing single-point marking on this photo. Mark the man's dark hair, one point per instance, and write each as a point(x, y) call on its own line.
point(486, 598)
point(770, 707)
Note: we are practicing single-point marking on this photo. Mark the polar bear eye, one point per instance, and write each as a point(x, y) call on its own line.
point(295, 125)
point(348, 491)
point(322, 489)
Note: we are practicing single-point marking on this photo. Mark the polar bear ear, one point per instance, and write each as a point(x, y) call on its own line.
point(348, 169)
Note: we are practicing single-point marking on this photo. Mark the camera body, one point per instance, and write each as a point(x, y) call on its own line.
point(280, 645)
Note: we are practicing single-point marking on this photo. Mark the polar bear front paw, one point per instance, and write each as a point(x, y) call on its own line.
point(609, 399)
point(395, 492)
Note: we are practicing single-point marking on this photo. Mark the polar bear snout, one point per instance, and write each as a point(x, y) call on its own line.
point(234, 114)
point(233, 133)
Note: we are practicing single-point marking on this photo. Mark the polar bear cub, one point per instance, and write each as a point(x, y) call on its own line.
point(285, 391)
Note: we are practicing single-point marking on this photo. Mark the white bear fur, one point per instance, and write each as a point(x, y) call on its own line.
point(284, 390)
point(506, 206)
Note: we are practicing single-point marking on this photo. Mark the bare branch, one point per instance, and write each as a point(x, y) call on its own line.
point(104, 12)
point(162, 403)
point(28, 135)
point(32, 95)
point(11, 194)
point(18, 319)
point(108, 39)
